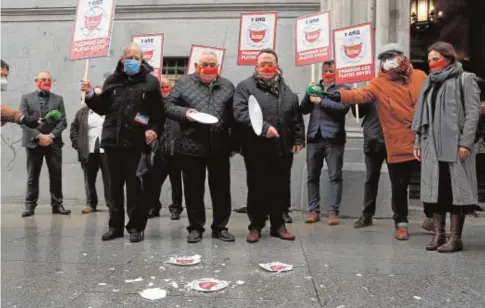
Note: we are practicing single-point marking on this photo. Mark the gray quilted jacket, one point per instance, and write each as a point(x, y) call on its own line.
point(216, 99)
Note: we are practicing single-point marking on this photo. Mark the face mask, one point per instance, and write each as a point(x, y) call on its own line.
point(267, 72)
point(390, 64)
point(166, 91)
point(437, 65)
point(207, 74)
point(328, 78)
point(44, 85)
point(132, 66)
point(4, 83)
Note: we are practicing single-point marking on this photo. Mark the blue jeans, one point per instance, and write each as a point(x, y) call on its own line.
point(333, 154)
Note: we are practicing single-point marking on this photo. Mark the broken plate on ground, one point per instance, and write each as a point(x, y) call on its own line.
point(153, 294)
point(208, 285)
point(185, 261)
point(276, 267)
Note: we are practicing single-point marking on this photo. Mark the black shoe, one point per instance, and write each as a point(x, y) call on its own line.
point(153, 213)
point(194, 236)
point(224, 235)
point(60, 210)
point(175, 213)
point(29, 211)
point(112, 234)
point(364, 221)
point(241, 210)
point(136, 236)
point(287, 218)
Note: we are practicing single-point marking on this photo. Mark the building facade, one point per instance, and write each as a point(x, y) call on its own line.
point(36, 35)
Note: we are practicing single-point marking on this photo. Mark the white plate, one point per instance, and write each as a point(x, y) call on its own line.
point(203, 118)
point(255, 115)
point(185, 261)
point(276, 267)
point(208, 285)
point(153, 294)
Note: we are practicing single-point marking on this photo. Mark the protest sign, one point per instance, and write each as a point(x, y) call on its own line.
point(197, 50)
point(152, 47)
point(257, 31)
point(312, 39)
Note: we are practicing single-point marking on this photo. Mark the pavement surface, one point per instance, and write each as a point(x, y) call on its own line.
point(55, 261)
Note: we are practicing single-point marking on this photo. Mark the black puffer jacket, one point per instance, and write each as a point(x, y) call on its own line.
point(373, 138)
point(216, 99)
point(123, 97)
point(280, 112)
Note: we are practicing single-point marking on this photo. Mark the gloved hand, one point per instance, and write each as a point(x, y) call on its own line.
point(31, 122)
point(334, 96)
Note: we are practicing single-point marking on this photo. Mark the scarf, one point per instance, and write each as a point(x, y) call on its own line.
point(402, 72)
point(443, 121)
point(272, 85)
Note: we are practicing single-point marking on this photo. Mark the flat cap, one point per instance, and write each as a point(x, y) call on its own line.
point(390, 48)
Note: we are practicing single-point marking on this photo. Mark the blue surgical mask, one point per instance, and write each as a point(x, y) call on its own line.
point(4, 84)
point(132, 66)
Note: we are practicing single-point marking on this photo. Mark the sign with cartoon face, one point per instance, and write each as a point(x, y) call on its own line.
point(313, 39)
point(257, 31)
point(152, 48)
point(354, 54)
point(92, 29)
point(197, 50)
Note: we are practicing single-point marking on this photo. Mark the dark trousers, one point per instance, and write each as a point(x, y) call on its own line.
point(169, 166)
point(400, 176)
point(287, 191)
point(122, 167)
point(91, 166)
point(194, 174)
point(35, 158)
point(267, 180)
point(333, 154)
point(373, 164)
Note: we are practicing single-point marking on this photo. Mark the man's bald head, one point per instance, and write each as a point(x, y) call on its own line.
point(133, 51)
point(43, 75)
point(208, 57)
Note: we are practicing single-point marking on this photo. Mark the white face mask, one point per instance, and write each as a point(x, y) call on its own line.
point(390, 64)
point(4, 84)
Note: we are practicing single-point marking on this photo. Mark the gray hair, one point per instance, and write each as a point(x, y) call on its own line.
point(209, 52)
point(132, 46)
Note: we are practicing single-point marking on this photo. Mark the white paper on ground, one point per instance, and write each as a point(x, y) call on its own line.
point(255, 115)
point(203, 118)
point(153, 294)
point(134, 280)
point(185, 261)
point(208, 285)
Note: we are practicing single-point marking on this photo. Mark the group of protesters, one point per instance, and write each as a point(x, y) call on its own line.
point(139, 130)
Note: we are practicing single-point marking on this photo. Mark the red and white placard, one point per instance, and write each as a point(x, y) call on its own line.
point(197, 50)
point(92, 29)
point(313, 39)
point(152, 47)
point(354, 53)
point(257, 31)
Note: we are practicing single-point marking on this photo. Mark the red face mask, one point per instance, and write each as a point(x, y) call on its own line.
point(267, 71)
point(328, 78)
point(207, 74)
point(437, 65)
point(44, 85)
point(166, 91)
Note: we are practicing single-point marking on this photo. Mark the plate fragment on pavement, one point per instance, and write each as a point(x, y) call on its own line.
point(276, 267)
point(134, 280)
point(153, 294)
point(208, 285)
point(185, 261)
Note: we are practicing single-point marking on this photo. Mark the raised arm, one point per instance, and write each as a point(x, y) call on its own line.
point(363, 95)
point(101, 103)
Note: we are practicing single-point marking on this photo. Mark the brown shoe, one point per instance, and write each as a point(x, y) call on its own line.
point(332, 219)
point(283, 234)
point(253, 236)
point(402, 233)
point(428, 225)
point(88, 210)
point(313, 217)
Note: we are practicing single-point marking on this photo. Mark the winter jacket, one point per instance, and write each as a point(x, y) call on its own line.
point(79, 133)
point(124, 97)
point(327, 118)
point(280, 112)
point(395, 107)
point(373, 139)
point(198, 139)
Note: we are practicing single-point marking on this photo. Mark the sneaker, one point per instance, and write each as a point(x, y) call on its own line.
point(194, 236)
point(363, 221)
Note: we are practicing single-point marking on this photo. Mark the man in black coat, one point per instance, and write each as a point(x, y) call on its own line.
point(85, 136)
point(44, 141)
point(133, 105)
point(268, 157)
point(204, 146)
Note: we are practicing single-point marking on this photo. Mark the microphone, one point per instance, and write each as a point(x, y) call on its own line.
point(48, 122)
point(314, 90)
point(53, 115)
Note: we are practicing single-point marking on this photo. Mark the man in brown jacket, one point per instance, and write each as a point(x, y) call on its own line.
point(395, 91)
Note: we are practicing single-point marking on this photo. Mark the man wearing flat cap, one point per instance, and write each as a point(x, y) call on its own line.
point(395, 91)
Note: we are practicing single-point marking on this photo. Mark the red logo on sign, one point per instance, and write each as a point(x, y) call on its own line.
point(92, 22)
point(352, 51)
